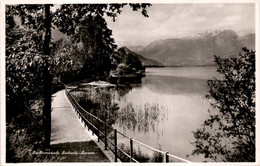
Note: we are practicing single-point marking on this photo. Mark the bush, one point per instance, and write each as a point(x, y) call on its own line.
point(229, 133)
point(138, 155)
point(25, 135)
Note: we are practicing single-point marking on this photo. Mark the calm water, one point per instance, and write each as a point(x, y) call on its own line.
point(164, 110)
point(161, 112)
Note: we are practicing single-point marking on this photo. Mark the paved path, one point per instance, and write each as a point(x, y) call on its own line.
point(65, 126)
point(68, 134)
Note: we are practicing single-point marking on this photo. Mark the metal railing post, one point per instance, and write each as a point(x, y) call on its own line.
point(88, 121)
point(82, 117)
point(92, 125)
point(105, 136)
point(131, 149)
point(98, 130)
point(166, 157)
point(115, 139)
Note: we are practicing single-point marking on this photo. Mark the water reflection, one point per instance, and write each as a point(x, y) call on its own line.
point(110, 105)
point(176, 85)
point(123, 89)
point(163, 110)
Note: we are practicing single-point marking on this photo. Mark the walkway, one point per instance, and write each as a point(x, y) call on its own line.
point(68, 136)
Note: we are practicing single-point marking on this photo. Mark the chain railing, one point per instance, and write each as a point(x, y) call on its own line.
point(128, 149)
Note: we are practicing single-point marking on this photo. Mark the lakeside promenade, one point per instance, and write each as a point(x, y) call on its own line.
point(68, 135)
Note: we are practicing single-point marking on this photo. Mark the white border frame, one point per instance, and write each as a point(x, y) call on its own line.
point(2, 74)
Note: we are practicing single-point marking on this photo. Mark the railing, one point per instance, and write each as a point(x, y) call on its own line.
point(109, 136)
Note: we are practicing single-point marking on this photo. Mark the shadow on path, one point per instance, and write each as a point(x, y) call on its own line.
point(79, 152)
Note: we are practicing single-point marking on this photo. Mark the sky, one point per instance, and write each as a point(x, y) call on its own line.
point(181, 20)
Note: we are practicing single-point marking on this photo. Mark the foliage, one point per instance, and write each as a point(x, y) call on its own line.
point(229, 133)
point(126, 67)
point(25, 64)
point(125, 62)
point(86, 25)
point(70, 57)
point(31, 65)
point(23, 61)
point(25, 136)
point(25, 52)
point(143, 119)
point(25, 43)
point(97, 45)
point(138, 154)
point(99, 102)
point(69, 16)
point(127, 57)
point(24, 91)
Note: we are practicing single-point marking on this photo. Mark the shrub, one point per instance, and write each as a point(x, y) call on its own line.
point(229, 133)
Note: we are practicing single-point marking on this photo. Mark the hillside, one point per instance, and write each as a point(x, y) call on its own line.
point(198, 50)
point(146, 62)
point(137, 48)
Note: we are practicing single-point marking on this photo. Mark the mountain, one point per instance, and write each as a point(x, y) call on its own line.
point(145, 61)
point(248, 41)
point(130, 45)
point(198, 50)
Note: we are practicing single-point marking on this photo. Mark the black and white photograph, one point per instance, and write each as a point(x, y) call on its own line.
point(130, 82)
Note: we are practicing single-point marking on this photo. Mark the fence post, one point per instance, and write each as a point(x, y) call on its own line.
point(92, 125)
point(98, 130)
point(88, 121)
point(115, 139)
point(166, 157)
point(105, 136)
point(131, 149)
point(84, 122)
point(81, 119)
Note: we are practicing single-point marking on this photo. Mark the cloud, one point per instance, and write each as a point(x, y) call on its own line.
point(181, 20)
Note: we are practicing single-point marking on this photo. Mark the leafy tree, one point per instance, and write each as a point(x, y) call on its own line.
point(30, 60)
point(97, 45)
point(88, 28)
point(25, 65)
point(229, 133)
point(125, 63)
point(68, 55)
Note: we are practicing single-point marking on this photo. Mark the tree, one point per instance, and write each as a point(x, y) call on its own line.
point(24, 67)
point(86, 25)
point(229, 133)
point(25, 63)
point(97, 45)
point(36, 50)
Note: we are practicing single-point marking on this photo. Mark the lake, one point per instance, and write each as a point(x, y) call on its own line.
point(168, 105)
point(161, 112)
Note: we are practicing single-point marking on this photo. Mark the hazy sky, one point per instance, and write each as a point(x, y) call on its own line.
point(181, 20)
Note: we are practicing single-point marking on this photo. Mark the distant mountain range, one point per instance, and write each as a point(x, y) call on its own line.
point(145, 61)
point(196, 50)
point(130, 45)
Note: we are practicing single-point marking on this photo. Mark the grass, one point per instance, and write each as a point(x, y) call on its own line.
point(139, 155)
